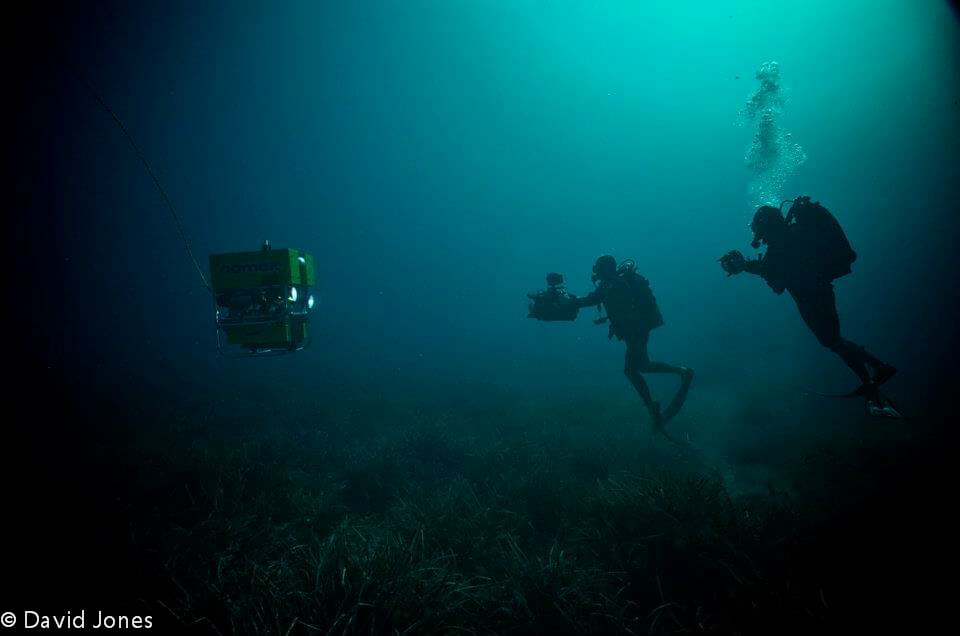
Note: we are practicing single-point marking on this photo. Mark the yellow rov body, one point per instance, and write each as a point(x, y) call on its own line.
point(263, 299)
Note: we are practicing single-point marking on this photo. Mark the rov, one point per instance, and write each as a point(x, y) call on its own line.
point(262, 300)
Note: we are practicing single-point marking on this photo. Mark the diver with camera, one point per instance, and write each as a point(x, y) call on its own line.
point(806, 251)
point(632, 313)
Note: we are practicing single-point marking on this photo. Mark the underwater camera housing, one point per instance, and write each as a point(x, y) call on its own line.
point(553, 303)
point(262, 300)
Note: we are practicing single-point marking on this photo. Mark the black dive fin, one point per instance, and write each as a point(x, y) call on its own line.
point(857, 392)
point(658, 424)
point(876, 404)
point(882, 406)
point(677, 402)
point(669, 437)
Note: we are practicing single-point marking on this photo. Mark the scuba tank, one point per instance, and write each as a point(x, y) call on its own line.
point(633, 303)
point(828, 251)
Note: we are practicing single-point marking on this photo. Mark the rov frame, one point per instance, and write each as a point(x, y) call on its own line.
point(262, 301)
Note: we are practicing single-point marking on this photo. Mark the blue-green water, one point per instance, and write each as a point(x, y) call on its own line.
point(438, 159)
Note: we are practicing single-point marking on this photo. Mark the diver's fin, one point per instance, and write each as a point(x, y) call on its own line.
point(876, 404)
point(677, 402)
point(861, 390)
point(659, 422)
point(882, 406)
point(670, 438)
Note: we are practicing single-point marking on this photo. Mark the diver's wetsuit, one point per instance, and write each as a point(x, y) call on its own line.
point(783, 268)
point(631, 320)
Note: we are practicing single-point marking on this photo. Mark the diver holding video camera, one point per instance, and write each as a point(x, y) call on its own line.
point(632, 313)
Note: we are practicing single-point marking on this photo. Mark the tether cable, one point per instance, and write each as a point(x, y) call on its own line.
point(146, 164)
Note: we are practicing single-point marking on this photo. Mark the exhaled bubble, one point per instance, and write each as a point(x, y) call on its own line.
point(767, 96)
point(773, 156)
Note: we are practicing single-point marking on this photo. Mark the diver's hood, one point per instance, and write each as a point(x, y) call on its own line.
point(604, 267)
point(765, 220)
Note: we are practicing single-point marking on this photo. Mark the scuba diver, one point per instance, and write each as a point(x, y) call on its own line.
point(632, 313)
point(806, 252)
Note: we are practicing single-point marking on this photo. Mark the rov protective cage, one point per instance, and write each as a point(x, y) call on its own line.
point(262, 301)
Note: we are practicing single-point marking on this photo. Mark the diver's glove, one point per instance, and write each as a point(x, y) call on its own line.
point(733, 262)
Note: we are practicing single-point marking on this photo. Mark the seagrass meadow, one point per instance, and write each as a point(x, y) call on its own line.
point(272, 366)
